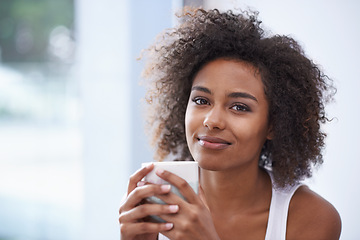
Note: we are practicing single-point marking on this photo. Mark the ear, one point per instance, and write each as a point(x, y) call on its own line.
point(270, 133)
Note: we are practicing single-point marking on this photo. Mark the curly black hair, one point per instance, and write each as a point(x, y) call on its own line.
point(295, 87)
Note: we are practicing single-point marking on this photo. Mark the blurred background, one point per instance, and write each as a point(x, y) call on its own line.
point(71, 128)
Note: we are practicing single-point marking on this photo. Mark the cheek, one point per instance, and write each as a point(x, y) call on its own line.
point(192, 121)
point(257, 133)
point(188, 117)
point(251, 131)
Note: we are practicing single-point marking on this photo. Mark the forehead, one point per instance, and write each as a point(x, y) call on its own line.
point(228, 75)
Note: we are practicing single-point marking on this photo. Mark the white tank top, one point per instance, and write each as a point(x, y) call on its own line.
point(278, 213)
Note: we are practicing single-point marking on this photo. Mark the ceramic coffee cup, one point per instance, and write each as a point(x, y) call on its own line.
point(188, 170)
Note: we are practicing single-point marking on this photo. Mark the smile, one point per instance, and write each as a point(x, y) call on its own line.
point(213, 143)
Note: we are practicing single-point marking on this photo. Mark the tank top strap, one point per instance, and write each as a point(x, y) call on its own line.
point(278, 213)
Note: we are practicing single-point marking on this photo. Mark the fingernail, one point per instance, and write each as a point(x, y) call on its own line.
point(159, 171)
point(169, 225)
point(173, 208)
point(165, 188)
point(148, 166)
point(139, 184)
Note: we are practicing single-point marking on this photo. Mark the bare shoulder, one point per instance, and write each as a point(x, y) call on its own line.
point(312, 217)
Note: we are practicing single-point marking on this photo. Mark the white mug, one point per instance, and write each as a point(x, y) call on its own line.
point(187, 170)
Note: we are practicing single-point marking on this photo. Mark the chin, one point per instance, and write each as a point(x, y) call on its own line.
point(209, 165)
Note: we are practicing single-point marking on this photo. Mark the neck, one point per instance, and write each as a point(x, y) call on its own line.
point(235, 190)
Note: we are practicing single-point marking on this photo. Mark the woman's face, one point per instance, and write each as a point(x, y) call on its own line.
point(226, 118)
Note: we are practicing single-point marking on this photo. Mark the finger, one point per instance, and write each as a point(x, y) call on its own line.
point(133, 229)
point(145, 210)
point(140, 193)
point(138, 176)
point(184, 188)
point(171, 198)
point(142, 183)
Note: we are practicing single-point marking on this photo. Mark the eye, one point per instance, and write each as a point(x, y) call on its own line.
point(200, 101)
point(240, 108)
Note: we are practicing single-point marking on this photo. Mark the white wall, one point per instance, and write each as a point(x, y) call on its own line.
point(103, 70)
point(110, 37)
point(330, 34)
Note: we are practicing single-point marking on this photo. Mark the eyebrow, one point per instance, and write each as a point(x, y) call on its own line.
point(201, 89)
point(231, 95)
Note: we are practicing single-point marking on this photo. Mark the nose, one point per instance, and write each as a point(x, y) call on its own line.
point(214, 119)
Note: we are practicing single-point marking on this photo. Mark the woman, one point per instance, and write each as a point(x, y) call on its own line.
point(247, 107)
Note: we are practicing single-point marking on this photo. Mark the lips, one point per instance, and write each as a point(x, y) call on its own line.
point(213, 142)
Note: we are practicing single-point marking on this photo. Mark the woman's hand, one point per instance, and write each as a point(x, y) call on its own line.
point(132, 212)
point(193, 219)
